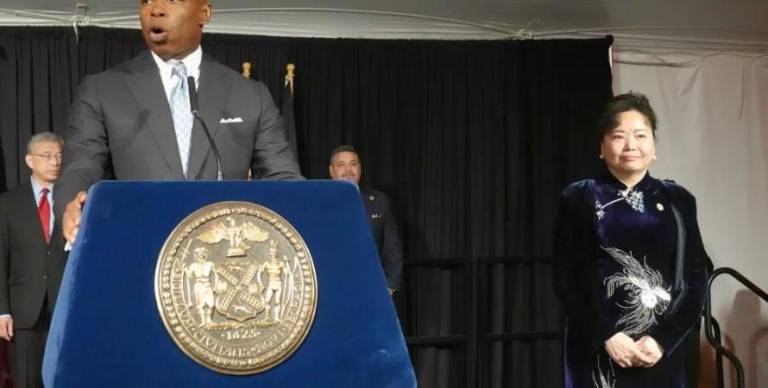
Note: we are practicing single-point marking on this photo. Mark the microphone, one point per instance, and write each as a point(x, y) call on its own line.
point(195, 107)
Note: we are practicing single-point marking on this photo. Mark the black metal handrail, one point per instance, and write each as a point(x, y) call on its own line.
point(715, 342)
point(719, 356)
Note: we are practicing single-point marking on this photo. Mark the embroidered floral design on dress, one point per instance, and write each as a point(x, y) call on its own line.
point(634, 198)
point(599, 210)
point(647, 296)
point(603, 380)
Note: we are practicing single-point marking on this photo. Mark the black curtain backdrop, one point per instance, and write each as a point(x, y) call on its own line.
point(473, 140)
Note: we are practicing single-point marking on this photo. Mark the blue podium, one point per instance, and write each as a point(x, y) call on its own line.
point(107, 330)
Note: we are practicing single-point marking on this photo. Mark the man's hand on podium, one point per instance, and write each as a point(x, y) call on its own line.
point(72, 215)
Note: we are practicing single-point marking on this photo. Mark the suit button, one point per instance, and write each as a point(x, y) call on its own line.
point(45, 277)
point(48, 253)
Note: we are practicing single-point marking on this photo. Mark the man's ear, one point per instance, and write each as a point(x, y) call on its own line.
point(206, 13)
point(28, 160)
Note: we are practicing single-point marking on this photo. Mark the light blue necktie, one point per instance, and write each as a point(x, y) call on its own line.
point(180, 110)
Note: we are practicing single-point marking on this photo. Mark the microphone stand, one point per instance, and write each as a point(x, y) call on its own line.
point(194, 106)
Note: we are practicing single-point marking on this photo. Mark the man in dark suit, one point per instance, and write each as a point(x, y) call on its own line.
point(134, 121)
point(345, 165)
point(31, 262)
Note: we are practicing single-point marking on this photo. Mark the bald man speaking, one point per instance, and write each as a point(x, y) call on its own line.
point(135, 121)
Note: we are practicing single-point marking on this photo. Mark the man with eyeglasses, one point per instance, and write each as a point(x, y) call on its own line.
point(31, 262)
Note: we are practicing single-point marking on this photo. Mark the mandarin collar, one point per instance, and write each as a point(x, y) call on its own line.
point(608, 178)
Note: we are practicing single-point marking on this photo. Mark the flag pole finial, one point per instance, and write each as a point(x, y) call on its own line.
point(290, 75)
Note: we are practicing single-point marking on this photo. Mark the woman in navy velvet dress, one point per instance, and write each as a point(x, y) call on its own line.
point(630, 266)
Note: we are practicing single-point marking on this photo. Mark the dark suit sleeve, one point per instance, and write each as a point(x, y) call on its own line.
point(574, 269)
point(5, 256)
point(86, 148)
point(272, 154)
point(392, 247)
point(670, 333)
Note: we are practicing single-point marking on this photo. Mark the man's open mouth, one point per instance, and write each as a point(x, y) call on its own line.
point(158, 34)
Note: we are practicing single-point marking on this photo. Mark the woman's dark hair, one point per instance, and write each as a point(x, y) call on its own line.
point(625, 103)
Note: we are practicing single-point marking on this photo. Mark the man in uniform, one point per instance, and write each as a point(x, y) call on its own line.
point(345, 165)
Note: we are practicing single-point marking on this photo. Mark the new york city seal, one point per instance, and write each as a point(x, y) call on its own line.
point(236, 287)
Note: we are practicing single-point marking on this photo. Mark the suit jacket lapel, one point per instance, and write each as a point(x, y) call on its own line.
point(147, 88)
point(29, 212)
point(213, 94)
point(55, 233)
point(365, 197)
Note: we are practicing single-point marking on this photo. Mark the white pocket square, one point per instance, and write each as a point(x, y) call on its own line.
point(230, 120)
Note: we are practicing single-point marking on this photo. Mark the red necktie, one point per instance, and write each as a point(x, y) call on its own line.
point(44, 210)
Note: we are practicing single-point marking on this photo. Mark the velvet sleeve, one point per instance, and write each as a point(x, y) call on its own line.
point(671, 331)
point(575, 273)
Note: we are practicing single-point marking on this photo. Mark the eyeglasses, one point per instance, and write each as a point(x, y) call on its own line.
point(49, 157)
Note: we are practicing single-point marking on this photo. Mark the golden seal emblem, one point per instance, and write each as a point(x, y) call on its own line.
point(236, 287)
